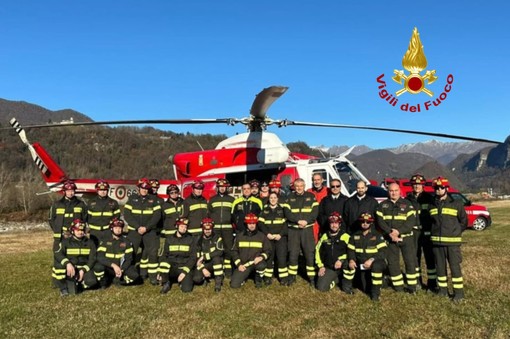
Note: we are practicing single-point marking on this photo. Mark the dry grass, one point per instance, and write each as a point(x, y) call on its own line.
point(32, 309)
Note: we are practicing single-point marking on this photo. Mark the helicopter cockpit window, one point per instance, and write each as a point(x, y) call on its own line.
point(349, 177)
point(326, 177)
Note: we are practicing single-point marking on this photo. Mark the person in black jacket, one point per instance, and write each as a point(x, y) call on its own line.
point(331, 257)
point(357, 204)
point(449, 220)
point(365, 253)
point(101, 209)
point(273, 224)
point(333, 202)
point(250, 252)
point(210, 256)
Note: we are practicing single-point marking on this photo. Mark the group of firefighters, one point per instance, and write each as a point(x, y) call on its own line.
point(344, 241)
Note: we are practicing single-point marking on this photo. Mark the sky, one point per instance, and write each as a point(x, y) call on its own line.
point(120, 60)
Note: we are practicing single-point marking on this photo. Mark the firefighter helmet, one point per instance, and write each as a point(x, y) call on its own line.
point(144, 183)
point(102, 185)
point(254, 183)
point(417, 179)
point(251, 218)
point(275, 183)
point(172, 188)
point(69, 185)
point(181, 221)
point(366, 217)
point(198, 184)
point(222, 183)
point(440, 182)
point(77, 224)
point(154, 183)
point(335, 217)
point(207, 223)
point(116, 222)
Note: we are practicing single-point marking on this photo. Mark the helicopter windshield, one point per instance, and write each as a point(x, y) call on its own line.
point(348, 175)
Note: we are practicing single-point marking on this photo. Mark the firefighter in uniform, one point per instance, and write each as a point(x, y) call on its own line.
point(62, 214)
point(250, 252)
point(115, 258)
point(244, 205)
point(421, 201)
point(365, 253)
point(273, 224)
point(155, 185)
point(357, 204)
point(396, 218)
point(301, 211)
point(449, 220)
point(178, 259)
point(255, 188)
point(78, 255)
point(220, 211)
point(210, 256)
point(142, 213)
point(333, 202)
point(320, 191)
point(331, 257)
point(194, 208)
point(101, 210)
point(172, 209)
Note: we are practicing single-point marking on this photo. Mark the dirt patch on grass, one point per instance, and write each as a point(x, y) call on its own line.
point(25, 242)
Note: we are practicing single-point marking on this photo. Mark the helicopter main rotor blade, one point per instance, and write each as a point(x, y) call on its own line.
point(283, 123)
point(137, 122)
point(265, 99)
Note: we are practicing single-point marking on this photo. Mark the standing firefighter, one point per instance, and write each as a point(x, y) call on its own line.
point(101, 210)
point(210, 256)
point(301, 210)
point(178, 259)
point(331, 257)
point(421, 201)
point(244, 205)
point(142, 213)
point(172, 209)
point(396, 218)
point(115, 257)
point(194, 208)
point(77, 254)
point(250, 252)
point(274, 225)
point(449, 220)
point(62, 214)
point(220, 211)
point(366, 255)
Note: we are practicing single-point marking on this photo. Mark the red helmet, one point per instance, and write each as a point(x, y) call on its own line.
point(335, 217)
point(198, 184)
point(154, 183)
point(222, 183)
point(251, 218)
point(77, 224)
point(366, 217)
point(115, 222)
point(144, 183)
point(417, 179)
point(254, 183)
point(69, 185)
point(172, 188)
point(440, 181)
point(207, 223)
point(102, 185)
point(181, 221)
point(275, 183)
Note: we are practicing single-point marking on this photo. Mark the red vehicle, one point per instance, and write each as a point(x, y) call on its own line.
point(479, 217)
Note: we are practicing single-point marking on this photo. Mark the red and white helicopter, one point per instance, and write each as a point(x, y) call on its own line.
point(256, 154)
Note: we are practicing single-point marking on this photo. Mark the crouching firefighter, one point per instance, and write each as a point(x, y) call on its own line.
point(178, 259)
point(331, 257)
point(210, 256)
point(115, 258)
point(77, 256)
point(250, 252)
point(366, 255)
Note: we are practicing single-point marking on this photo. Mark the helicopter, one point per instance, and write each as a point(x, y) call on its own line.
point(256, 154)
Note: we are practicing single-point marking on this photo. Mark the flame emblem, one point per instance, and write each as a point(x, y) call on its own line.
point(414, 61)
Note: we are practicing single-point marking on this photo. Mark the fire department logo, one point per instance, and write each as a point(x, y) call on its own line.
point(415, 81)
point(415, 62)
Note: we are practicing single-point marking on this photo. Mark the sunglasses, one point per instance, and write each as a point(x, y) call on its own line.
point(440, 188)
point(335, 186)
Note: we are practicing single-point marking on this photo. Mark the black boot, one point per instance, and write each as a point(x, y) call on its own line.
point(376, 292)
point(442, 292)
point(291, 280)
point(258, 281)
point(218, 281)
point(268, 281)
point(166, 287)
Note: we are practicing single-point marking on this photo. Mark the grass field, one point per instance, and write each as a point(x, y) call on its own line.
point(31, 308)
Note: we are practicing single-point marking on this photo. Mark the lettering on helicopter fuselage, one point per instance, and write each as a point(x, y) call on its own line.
point(121, 192)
